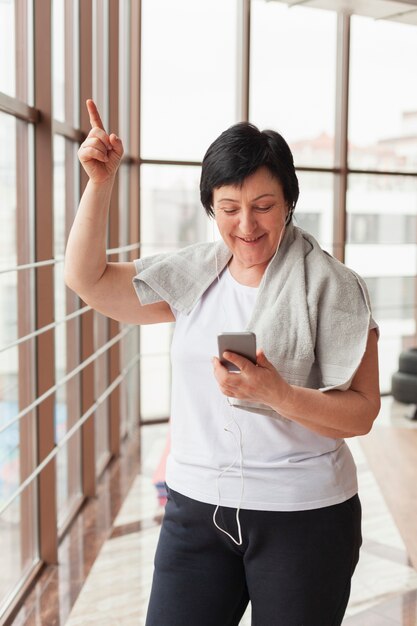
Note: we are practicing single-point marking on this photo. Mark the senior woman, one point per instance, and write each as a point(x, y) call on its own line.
point(282, 526)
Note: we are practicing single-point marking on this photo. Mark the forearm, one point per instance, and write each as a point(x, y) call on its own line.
point(85, 255)
point(335, 414)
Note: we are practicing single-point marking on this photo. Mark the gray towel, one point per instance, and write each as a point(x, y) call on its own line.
point(312, 314)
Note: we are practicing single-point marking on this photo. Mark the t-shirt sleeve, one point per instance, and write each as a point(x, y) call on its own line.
point(138, 268)
point(372, 323)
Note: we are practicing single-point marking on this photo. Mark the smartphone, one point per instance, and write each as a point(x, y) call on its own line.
point(243, 343)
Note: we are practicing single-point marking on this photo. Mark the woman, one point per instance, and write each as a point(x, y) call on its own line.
point(287, 532)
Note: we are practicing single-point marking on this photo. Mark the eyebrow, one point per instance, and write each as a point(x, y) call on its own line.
point(254, 199)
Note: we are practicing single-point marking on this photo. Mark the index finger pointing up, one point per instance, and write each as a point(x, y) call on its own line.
point(94, 115)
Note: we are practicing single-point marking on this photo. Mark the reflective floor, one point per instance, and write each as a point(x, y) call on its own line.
point(106, 560)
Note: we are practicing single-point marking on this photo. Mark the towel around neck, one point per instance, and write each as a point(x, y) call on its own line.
point(312, 314)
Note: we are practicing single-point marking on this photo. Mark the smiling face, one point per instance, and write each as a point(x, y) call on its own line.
point(250, 219)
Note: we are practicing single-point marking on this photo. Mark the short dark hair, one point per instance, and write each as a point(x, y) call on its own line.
point(238, 152)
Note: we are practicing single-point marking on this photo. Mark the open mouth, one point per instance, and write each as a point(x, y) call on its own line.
point(251, 241)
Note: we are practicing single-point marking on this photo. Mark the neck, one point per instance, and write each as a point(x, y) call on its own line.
point(249, 276)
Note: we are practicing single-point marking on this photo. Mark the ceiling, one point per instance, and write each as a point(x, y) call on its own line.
point(395, 10)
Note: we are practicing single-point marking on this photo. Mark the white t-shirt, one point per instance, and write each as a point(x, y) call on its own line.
point(286, 467)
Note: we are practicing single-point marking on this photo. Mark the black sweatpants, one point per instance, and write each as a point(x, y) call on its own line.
point(294, 567)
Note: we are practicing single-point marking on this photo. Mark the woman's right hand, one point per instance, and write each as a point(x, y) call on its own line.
point(100, 154)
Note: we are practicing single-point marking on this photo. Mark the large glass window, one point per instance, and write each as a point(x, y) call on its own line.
point(18, 526)
point(12, 544)
point(9, 384)
point(65, 61)
point(124, 211)
point(171, 217)
point(67, 397)
point(101, 323)
point(58, 59)
point(7, 47)
point(292, 79)
point(383, 95)
point(382, 250)
point(101, 381)
point(188, 76)
point(124, 73)
point(101, 58)
point(129, 344)
point(314, 210)
point(130, 410)
point(171, 211)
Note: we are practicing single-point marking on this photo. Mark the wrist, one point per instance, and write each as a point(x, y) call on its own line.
point(103, 186)
point(284, 399)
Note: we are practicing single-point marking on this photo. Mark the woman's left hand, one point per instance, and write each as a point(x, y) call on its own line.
point(258, 383)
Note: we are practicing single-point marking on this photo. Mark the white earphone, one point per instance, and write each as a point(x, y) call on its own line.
point(239, 443)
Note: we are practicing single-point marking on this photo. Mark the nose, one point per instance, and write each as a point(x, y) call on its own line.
point(247, 222)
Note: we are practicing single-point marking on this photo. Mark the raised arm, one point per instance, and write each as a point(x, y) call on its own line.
point(106, 287)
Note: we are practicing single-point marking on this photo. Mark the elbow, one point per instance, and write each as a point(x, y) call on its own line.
point(365, 429)
point(69, 281)
point(370, 416)
point(73, 282)
point(82, 281)
point(365, 419)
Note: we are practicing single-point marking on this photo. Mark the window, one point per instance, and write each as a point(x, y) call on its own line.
point(384, 252)
point(172, 217)
point(314, 210)
point(292, 84)
point(18, 511)
point(188, 76)
point(7, 47)
point(383, 96)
